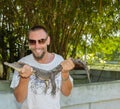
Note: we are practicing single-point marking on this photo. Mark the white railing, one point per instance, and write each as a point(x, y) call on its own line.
point(102, 95)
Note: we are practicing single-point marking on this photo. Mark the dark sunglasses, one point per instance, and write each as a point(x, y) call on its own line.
point(33, 42)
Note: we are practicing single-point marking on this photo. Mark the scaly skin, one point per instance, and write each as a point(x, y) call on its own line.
point(49, 75)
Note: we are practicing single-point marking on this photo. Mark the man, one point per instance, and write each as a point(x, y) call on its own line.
point(28, 90)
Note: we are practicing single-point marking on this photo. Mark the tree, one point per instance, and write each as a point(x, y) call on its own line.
point(74, 25)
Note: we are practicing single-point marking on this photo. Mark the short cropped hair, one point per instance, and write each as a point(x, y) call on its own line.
point(38, 27)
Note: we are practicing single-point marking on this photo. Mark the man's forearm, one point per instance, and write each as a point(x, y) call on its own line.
point(21, 90)
point(66, 86)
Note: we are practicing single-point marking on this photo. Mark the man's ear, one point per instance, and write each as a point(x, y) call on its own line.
point(29, 47)
point(48, 41)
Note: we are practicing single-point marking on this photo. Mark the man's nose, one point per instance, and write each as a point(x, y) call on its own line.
point(38, 45)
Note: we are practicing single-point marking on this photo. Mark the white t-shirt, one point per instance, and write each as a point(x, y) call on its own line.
point(36, 98)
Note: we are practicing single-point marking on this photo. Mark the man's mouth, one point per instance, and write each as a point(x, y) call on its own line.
point(38, 50)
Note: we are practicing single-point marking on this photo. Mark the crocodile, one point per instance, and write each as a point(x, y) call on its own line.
point(49, 75)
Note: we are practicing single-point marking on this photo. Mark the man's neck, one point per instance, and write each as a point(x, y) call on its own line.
point(48, 57)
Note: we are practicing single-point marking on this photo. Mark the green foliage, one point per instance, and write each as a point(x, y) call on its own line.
point(78, 28)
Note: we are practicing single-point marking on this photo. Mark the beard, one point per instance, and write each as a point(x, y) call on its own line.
point(38, 57)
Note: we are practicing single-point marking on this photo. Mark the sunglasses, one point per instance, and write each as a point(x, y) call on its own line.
point(33, 42)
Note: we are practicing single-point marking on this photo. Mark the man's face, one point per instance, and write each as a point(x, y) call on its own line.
point(38, 41)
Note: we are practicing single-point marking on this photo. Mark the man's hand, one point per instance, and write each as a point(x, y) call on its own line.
point(67, 65)
point(26, 71)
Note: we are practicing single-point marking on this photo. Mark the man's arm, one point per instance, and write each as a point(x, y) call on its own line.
point(66, 85)
point(21, 90)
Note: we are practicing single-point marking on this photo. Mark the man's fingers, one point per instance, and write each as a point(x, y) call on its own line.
point(68, 65)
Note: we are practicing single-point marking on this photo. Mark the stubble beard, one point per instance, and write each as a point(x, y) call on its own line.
point(39, 57)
